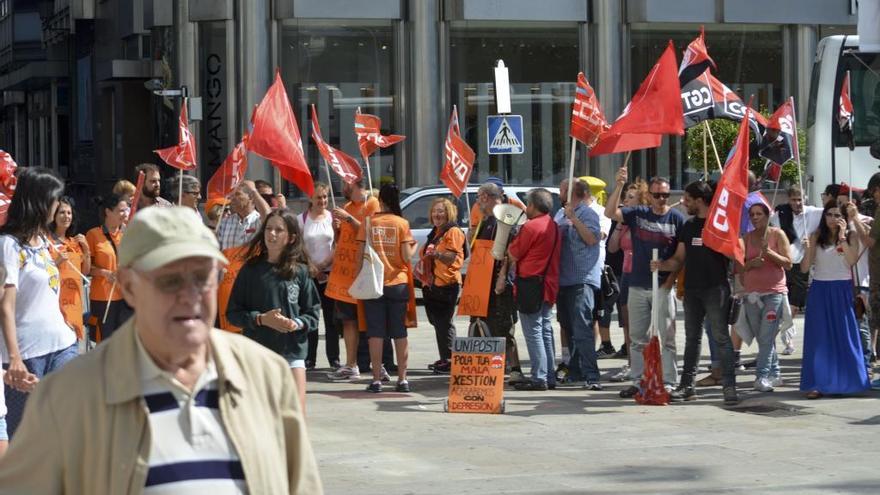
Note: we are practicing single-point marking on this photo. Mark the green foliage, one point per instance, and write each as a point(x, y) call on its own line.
point(724, 133)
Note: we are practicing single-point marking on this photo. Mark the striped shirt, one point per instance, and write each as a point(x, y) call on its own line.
point(234, 231)
point(190, 451)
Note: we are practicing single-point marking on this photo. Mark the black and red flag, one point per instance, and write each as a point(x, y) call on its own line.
point(780, 141)
point(706, 98)
point(695, 60)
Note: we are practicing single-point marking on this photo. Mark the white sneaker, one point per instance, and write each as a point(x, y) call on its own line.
point(788, 351)
point(385, 376)
point(345, 373)
point(622, 375)
point(777, 381)
point(763, 385)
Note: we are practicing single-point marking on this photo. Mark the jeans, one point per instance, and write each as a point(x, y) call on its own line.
point(710, 305)
point(331, 329)
point(640, 304)
point(538, 333)
point(39, 366)
point(575, 307)
point(762, 317)
point(440, 315)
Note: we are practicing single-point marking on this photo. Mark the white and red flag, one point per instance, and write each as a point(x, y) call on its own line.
point(344, 165)
point(587, 120)
point(785, 146)
point(183, 154)
point(370, 138)
point(845, 114)
point(231, 172)
point(695, 60)
point(460, 158)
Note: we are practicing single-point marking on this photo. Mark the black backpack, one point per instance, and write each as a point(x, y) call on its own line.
point(609, 291)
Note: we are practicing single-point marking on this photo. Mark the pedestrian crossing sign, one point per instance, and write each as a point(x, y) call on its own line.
point(505, 134)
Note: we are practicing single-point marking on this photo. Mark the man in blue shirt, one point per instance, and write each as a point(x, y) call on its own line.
point(652, 227)
point(579, 277)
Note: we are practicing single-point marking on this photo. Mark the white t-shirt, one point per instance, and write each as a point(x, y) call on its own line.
point(318, 237)
point(39, 324)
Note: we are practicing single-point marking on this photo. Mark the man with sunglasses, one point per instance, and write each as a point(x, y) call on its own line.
point(174, 405)
point(653, 227)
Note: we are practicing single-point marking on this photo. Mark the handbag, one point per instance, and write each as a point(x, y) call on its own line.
point(530, 290)
point(734, 305)
point(370, 281)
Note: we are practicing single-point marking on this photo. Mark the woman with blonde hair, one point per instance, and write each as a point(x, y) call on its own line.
point(124, 189)
point(441, 258)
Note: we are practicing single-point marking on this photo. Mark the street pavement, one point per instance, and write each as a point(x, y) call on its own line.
point(571, 441)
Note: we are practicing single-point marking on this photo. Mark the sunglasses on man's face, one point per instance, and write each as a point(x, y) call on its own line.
point(660, 195)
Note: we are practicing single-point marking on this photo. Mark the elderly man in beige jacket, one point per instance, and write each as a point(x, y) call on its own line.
point(168, 404)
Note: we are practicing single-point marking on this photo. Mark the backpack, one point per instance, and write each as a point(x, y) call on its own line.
point(609, 290)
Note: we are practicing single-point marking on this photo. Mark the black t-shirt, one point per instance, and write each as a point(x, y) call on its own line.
point(704, 268)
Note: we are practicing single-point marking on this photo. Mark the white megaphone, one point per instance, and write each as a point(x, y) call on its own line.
point(507, 215)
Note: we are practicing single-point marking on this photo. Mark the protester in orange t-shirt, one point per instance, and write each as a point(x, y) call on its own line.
point(477, 213)
point(72, 255)
point(237, 257)
point(346, 263)
point(390, 237)
point(440, 265)
point(103, 242)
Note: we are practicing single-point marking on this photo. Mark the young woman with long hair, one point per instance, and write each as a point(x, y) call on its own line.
point(274, 299)
point(36, 340)
point(103, 243)
point(72, 255)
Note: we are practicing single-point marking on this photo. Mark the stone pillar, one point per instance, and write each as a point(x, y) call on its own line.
point(610, 79)
point(425, 95)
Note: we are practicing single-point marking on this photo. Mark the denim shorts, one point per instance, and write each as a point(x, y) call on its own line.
point(296, 363)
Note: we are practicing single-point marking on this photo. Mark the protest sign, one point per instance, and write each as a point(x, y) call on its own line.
point(476, 379)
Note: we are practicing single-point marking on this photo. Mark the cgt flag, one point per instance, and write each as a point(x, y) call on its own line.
point(344, 165)
point(460, 157)
point(275, 137)
point(706, 98)
point(231, 172)
point(183, 155)
point(370, 138)
point(587, 120)
point(722, 229)
point(845, 113)
point(695, 60)
point(781, 136)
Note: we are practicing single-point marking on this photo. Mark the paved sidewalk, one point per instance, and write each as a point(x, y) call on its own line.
point(570, 441)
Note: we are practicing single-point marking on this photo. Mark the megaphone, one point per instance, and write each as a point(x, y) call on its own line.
point(507, 215)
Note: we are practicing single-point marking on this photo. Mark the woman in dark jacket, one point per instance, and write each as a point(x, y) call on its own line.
point(274, 298)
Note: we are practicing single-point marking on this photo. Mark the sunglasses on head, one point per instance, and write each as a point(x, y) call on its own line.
point(660, 195)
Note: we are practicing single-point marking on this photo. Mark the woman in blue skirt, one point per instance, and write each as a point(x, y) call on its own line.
point(832, 361)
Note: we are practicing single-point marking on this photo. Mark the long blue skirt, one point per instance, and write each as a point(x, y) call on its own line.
point(833, 362)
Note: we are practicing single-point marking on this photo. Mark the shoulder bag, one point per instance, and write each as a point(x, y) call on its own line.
point(370, 281)
point(530, 290)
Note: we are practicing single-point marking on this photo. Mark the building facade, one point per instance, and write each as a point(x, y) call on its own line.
point(78, 76)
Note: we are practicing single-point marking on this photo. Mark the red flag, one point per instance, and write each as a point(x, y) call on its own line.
point(587, 120)
point(609, 143)
point(370, 138)
point(652, 391)
point(695, 60)
point(276, 137)
point(721, 232)
point(460, 157)
point(845, 114)
point(656, 106)
point(347, 167)
point(231, 172)
point(183, 155)
point(136, 197)
point(7, 183)
point(784, 147)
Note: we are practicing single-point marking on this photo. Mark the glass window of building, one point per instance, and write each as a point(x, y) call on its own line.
point(749, 60)
point(543, 64)
point(341, 67)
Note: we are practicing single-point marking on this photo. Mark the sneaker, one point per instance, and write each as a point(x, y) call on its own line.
point(763, 385)
point(374, 387)
point(788, 351)
point(875, 385)
point(711, 380)
point(621, 353)
point(442, 368)
point(628, 392)
point(561, 372)
point(669, 388)
point(595, 386)
point(435, 363)
point(777, 381)
point(531, 385)
point(622, 375)
point(516, 377)
point(605, 352)
point(683, 393)
point(345, 373)
point(335, 364)
point(402, 387)
point(385, 376)
point(730, 397)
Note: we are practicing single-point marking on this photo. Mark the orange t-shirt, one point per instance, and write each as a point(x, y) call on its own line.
point(236, 257)
point(103, 256)
point(388, 232)
point(71, 284)
point(345, 261)
point(452, 241)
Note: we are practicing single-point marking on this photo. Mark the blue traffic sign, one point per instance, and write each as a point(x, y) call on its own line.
point(505, 134)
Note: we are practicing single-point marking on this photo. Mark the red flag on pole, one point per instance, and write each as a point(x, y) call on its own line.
point(370, 138)
point(136, 197)
point(845, 114)
point(784, 147)
point(721, 232)
point(587, 120)
point(276, 137)
point(695, 60)
point(182, 155)
point(347, 167)
point(460, 157)
point(231, 172)
point(7, 183)
point(655, 108)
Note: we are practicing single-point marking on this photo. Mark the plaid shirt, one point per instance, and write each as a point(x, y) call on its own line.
point(235, 231)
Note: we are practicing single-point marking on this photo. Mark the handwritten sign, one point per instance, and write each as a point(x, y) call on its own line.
point(236, 257)
point(346, 263)
point(475, 293)
point(476, 380)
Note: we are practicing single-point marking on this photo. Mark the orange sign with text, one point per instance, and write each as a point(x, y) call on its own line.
point(475, 292)
point(236, 257)
point(476, 380)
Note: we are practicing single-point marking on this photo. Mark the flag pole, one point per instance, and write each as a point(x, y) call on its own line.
point(367, 163)
point(109, 301)
point(705, 156)
point(712, 140)
point(851, 138)
point(571, 169)
point(330, 184)
point(180, 189)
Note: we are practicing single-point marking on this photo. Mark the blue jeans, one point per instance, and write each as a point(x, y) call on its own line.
point(575, 307)
point(538, 333)
point(707, 307)
point(40, 366)
point(762, 317)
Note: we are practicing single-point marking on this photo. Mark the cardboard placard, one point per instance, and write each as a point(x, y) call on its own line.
point(236, 257)
point(475, 292)
point(346, 265)
point(476, 380)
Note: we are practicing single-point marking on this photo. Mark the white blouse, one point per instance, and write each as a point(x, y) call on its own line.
point(830, 264)
point(318, 237)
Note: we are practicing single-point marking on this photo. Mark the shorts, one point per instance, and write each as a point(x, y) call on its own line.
point(386, 316)
point(346, 311)
point(624, 289)
point(602, 315)
point(296, 363)
point(798, 283)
